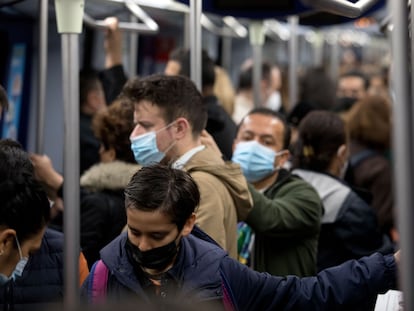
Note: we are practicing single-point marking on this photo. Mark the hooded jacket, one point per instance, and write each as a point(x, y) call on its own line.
point(102, 205)
point(349, 225)
point(225, 198)
point(202, 271)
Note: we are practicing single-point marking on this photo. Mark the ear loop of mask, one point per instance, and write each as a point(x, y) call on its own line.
point(22, 262)
point(278, 154)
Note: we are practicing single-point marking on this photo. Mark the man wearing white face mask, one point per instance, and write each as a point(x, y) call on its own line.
point(24, 213)
point(170, 116)
point(286, 210)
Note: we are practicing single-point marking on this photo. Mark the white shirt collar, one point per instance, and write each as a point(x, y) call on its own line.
point(181, 161)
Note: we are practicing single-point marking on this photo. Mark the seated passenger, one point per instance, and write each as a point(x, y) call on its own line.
point(349, 225)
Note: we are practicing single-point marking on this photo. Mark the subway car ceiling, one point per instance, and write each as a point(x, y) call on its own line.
point(169, 12)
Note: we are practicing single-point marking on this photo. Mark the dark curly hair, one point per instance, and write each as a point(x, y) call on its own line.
point(113, 127)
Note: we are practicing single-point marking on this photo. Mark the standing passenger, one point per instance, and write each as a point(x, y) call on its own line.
point(159, 265)
point(219, 123)
point(286, 210)
point(349, 225)
point(170, 116)
point(31, 261)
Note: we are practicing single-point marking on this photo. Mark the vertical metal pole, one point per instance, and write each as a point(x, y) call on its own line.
point(334, 57)
point(403, 144)
point(195, 42)
point(69, 15)
point(187, 27)
point(256, 34)
point(226, 53)
point(293, 61)
point(70, 58)
point(133, 49)
point(257, 74)
point(42, 71)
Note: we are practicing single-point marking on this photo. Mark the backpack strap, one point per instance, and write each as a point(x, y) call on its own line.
point(98, 282)
point(228, 298)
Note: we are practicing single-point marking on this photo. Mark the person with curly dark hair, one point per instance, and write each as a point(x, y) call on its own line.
point(102, 185)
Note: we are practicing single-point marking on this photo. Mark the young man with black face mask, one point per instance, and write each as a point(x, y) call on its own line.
point(164, 261)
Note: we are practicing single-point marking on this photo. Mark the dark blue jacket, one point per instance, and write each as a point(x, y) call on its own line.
point(41, 285)
point(202, 268)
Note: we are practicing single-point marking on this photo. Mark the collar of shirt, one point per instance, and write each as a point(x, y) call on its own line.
point(181, 161)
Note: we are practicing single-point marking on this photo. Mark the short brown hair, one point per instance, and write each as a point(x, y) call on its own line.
point(176, 96)
point(369, 122)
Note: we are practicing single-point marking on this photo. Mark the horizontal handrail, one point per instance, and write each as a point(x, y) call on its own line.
point(342, 7)
point(148, 25)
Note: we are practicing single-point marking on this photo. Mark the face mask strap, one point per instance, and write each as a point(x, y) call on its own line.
point(18, 247)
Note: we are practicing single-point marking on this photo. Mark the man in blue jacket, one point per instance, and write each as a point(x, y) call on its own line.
point(163, 260)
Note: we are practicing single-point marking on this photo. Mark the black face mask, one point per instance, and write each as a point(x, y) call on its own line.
point(344, 104)
point(157, 258)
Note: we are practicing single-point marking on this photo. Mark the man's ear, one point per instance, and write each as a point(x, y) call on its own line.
point(7, 237)
point(182, 126)
point(189, 225)
point(281, 159)
point(342, 152)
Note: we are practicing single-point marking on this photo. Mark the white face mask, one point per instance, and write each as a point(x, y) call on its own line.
point(18, 270)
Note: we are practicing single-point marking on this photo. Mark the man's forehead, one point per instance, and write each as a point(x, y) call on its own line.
point(352, 79)
point(261, 120)
point(262, 124)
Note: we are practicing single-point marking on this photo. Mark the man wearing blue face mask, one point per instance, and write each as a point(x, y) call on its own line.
point(170, 116)
point(286, 210)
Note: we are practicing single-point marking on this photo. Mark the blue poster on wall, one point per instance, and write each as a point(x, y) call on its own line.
point(14, 91)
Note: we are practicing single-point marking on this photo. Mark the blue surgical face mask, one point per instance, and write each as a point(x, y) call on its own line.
point(18, 270)
point(256, 160)
point(145, 148)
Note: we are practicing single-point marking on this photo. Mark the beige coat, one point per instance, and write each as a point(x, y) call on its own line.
point(225, 197)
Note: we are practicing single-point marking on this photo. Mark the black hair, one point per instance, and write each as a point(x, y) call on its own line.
point(246, 76)
point(321, 133)
point(162, 188)
point(274, 114)
point(24, 205)
point(88, 81)
point(208, 74)
point(359, 74)
point(176, 96)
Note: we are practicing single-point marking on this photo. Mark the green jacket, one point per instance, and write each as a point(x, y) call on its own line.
point(286, 221)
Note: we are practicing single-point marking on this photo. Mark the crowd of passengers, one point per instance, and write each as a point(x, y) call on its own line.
point(291, 192)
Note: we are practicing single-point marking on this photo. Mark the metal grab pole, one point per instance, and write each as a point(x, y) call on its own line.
point(403, 145)
point(42, 71)
point(293, 61)
point(133, 49)
point(69, 14)
point(70, 50)
point(256, 34)
point(195, 42)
